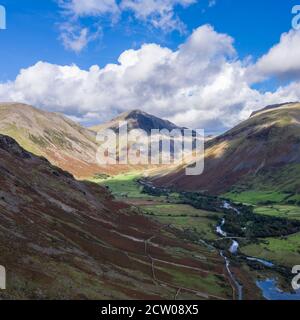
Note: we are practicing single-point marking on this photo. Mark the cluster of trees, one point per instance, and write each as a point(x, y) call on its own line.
point(101, 176)
point(259, 226)
point(241, 221)
point(153, 191)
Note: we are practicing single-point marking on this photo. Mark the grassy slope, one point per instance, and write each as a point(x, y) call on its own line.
point(182, 217)
point(186, 217)
point(63, 142)
point(65, 239)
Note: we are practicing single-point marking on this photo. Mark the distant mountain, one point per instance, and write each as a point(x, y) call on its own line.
point(138, 119)
point(262, 153)
point(51, 135)
point(65, 239)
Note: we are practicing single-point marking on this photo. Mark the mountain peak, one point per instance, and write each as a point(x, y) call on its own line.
point(132, 114)
point(138, 119)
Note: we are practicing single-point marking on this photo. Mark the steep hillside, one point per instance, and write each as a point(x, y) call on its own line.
point(61, 238)
point(51, 135)
point(262, 153)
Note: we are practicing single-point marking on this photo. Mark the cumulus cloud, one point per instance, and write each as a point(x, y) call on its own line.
point(159, 14)
point(202, 84)
point(281, 61)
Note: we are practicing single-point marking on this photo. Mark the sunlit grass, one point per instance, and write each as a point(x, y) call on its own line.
point(283, 251)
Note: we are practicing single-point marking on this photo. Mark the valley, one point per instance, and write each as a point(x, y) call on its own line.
point(251, 255)
point(147, 232)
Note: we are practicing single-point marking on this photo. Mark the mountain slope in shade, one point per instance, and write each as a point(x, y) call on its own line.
point(260, 153)
point(138, 119)
point(61, 239)
point(51, 135)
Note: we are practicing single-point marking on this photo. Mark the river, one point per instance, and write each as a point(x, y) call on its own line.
point(263, 262)
point(238, 287)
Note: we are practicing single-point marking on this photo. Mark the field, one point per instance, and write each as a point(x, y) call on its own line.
point(124, 186)
point(185, 217)
point(268, 203)
point(282, 211)
point(256, 197)
point(284, 251)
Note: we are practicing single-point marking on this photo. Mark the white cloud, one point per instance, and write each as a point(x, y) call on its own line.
point(203, 84)
point(81, 8)
point(159, 14)
point(74, 35)
point(76, 38)
point(283, 60)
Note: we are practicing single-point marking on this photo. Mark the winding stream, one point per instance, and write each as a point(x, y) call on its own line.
point(233, 249)
point(234, 280)
point(263, 262)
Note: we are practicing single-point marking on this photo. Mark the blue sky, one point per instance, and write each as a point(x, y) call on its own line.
point(33, 34)
point(40, 30)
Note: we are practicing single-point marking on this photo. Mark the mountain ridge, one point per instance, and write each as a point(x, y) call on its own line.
point(249, 154)
point(62, 141)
